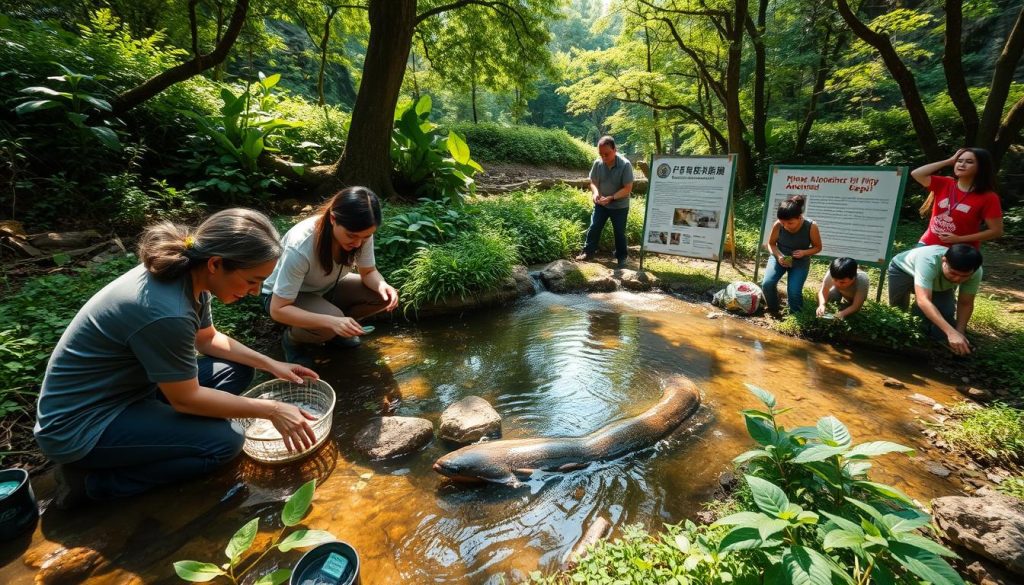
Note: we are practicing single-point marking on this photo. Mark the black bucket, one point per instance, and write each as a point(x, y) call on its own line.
point(18, 510)
point(331, 563)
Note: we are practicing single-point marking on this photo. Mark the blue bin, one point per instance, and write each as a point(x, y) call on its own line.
point(18, 509)
point(331, 563)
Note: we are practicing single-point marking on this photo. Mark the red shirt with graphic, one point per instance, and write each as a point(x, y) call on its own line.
point(957, 212)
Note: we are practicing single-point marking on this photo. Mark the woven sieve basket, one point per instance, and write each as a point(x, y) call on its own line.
point(262, 441)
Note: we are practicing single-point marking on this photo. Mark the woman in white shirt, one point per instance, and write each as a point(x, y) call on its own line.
point(327, 278)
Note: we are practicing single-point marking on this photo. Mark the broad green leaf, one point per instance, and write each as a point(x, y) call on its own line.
point(43, 90)
point(926, 544)
point(906, 520)
point(742, 519)
point(925, 565)
point(858, 468)
point(867, 508)
point(843, 539)
point(806, 566)
point(270, 81)
point(36, 106)
point(769, 497)
point(107, 137)
point(753, 412)
point(748, 455)
point(884, 490)
point(817, 453)
point(682, 543)
point(771, 526)
point(99, 104)
point(761, 431)
point(832, 432)
point(843, 523)
point(274, 578)
point(242, 540)
point(424, 105)
point(876, 448)
point(807, 518)
point(458, 148)
point(197, 572)
point(304, 538)
point(742, 538)
point(298, 504)
point(763, 395)
point(61, 259)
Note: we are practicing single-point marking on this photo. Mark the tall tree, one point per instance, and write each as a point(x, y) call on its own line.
point(366, 159)
point(995, 130)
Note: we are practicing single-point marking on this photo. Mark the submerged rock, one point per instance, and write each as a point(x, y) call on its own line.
point(991, 526)
point(893, 383)
point(393, 436)
point(469, 420)
point(922, 399)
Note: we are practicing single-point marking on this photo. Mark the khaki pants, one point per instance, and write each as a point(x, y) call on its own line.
point(348, 298)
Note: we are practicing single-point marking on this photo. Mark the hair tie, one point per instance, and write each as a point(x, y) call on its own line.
point(190, 242)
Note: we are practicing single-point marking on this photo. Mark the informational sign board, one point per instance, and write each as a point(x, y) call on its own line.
point(688, 204)
point(856, 208)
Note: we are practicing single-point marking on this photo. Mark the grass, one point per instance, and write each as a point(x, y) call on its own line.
point(993, 434)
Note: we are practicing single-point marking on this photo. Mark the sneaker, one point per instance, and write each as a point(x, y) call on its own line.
point(622, 263)
point(584, 257)
point(345, 342)
point(295, 353)
point(70, 492)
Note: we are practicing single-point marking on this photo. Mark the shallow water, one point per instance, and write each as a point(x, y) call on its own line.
point(551, 366)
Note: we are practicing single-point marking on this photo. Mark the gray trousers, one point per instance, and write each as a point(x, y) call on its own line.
point(901, 286)
point(348, 298)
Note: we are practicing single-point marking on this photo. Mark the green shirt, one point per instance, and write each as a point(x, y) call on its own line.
point(133, 334)
point(925, 263)
point(610, 179)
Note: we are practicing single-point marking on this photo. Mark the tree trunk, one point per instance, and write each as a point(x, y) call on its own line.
point(366, 160)
point(654, 100)
point(820, 77)
point(324, 43)
point(760, 103)
point(903, 77)
point(199, 63)
point(733, 112)
point(992, 134)
point(952, 66)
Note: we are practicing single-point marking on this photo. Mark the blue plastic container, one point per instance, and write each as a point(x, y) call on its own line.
point(331, 563)
point(18, 509)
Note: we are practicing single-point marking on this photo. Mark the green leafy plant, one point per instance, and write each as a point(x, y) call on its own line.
point(530, 145)
point(430, 163)
point(294, 511)
point(871, 532)
point(78, 106)
point(246, 127)
point(538, 236)
point(429, 223)
point(471, 263)
point(1013, 486)
point(874, 324)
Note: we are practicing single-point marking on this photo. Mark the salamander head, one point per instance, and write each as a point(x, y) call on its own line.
point(474, 466)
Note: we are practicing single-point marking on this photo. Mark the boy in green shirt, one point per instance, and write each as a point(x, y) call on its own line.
point(933, 273)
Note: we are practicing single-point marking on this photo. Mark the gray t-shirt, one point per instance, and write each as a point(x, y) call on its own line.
point(298, 269)
point(610, 179)
point(133, 334)
point(858, 289)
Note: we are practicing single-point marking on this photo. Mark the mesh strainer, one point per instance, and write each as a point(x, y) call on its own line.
point(262, 441)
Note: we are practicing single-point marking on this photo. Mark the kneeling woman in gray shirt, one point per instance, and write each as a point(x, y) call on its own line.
point(126, 405)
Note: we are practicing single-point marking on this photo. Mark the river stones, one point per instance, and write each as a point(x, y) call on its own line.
point(922, 399)
point(991, 526)
point(469, 420)
point(893, 383)
point(637, 281)
point(393, 436)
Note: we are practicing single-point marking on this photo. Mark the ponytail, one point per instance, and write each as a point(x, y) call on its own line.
point(791, 208)
point(242, 238)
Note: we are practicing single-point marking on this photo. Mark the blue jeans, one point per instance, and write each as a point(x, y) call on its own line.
point(794, 283)
point(150, 444)
point(601, 215)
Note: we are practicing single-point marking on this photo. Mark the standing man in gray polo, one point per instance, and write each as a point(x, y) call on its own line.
point(611, 182)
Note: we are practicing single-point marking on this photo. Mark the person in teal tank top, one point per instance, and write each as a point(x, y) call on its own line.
point(792, 243)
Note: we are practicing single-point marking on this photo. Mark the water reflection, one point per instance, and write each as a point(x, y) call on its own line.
point(551, 366)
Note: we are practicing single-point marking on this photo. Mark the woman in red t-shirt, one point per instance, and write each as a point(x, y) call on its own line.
point(962, 203)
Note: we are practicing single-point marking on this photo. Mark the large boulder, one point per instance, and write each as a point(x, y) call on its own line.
point(563, 276)
point(393, 436)
point(637, 281)
point(469, 420)
point(991, 526)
